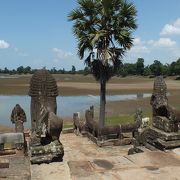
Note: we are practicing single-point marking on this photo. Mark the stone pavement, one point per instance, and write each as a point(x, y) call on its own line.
point(18, 169)
point(84, 160)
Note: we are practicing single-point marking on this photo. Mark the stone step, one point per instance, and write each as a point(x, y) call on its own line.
point(4, 163)
point(157, 133)
point(168, 144)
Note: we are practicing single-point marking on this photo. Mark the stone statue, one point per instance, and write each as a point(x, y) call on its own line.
point(108, 134)
point(164, 133)
point(46, 125)
point(164, 117)
point(138, 116)
point(18, 117)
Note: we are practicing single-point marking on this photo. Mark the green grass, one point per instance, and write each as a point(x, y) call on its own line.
point(118, 120)
point(125, 119)
point(68, 126)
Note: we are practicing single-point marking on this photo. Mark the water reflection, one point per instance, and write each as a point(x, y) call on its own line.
point(67, 105)
point(8, 77)
point(140, 95)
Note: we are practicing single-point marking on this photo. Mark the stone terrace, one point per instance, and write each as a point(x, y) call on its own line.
point(85, 160)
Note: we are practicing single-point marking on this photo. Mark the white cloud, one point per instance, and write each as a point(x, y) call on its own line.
point(171, 29)
point(162, 42)
point(3, 44)
point(139, 49)
point(139, 46)
point(137, 41)
point(162, 49)
point(61, 54)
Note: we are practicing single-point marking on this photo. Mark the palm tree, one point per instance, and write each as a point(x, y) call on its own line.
point(103, 28)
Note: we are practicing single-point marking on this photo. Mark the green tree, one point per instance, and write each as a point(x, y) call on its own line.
point(165, 69)
point(130, 68)
point(177, 67)
point(20, 70)
point(6, 70)
point(27, 69)
point(147, 71)
point(156, 68)
point(73, 70)
point(105, 26)
point(172, 68)
point(140, 66)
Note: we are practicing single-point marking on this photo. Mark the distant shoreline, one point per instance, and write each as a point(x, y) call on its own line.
point(76, 85)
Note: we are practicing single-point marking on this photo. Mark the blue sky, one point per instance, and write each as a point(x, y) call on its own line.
point(36, 33)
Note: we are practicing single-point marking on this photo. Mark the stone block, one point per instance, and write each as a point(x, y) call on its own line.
point(4, 163)
point(160, 139)
point(11, 141)
point(161, 122)
point(157, 133)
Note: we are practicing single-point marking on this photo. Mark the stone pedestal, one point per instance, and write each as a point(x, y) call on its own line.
point(164, 133)
point(159, 139)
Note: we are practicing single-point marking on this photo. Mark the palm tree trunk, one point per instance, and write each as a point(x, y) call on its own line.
point(102, 101)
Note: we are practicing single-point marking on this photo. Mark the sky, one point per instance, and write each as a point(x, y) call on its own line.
point(37, 33)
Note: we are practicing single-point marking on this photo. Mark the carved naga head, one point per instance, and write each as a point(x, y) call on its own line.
point(159, 98)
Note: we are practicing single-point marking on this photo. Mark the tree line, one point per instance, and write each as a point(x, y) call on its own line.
point(125, 69)
point(29, 70)
point(154, 69)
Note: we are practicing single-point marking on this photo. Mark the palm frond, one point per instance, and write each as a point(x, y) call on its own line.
point(106, 26)
point(75, 14)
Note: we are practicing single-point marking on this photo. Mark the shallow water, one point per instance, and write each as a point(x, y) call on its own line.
point(67, 105)
point(8, 77)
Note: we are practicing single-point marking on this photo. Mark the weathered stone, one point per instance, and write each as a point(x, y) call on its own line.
point(15, 140)
point(18, 117)
point(78, 125)
point(161, 122)
point(157, 133)
point(19, 168)
point(107, 135)
point(4, 163)
point(7, 152)
point(47, 153)
point(160, 107)
point(43, 90)
point(165, 132)
point(46, 125)
point(55, 125)
point(160, 139)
